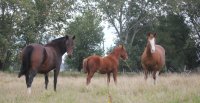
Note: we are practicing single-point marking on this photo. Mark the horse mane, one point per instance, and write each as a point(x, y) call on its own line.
point(114, 50)
point(56, 40)
point(58, 43)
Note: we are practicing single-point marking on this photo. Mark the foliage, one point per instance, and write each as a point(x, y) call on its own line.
point(89, 36)
point(170, 22)
point(173, 35)
point(177, 23)
point(24, 22)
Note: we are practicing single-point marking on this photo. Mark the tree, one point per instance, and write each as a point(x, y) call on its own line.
point(89, 37)
point(24, 22)
point(174, 36)
point(8, 13)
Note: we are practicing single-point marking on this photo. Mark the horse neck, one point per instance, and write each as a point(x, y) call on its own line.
point(148, 50)
point(115, 54)
point(58, 46)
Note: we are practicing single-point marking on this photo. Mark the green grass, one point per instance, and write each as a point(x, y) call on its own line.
point(71, 88)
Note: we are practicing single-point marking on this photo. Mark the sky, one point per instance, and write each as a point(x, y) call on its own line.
point(109, 35)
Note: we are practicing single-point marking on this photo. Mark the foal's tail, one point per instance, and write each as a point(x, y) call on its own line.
point(85, 65)
point(26, 59)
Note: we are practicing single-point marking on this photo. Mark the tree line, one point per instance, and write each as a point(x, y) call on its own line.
point(177, 23)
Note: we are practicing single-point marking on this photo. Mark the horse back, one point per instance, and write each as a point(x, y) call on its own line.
point(93, 62)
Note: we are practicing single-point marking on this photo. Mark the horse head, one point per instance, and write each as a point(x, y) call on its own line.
point(151, 41)
point(69, 45)
point(123, 53)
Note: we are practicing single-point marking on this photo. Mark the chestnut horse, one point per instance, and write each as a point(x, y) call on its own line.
point(37, 58)
point(153, 57)
point(104, 65)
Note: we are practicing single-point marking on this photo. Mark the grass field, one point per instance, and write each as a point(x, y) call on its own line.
point(71, 88)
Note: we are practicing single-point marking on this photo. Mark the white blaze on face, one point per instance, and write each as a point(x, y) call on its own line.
point(152, 43)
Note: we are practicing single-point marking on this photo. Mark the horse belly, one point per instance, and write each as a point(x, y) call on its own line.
point(105, 70)
point(46, 66)
point(49, 62)
point(150, 63)
point(102, 72)
point(44, 70)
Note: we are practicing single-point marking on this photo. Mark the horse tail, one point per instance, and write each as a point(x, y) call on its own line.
point(85, 65)
point(26, 59)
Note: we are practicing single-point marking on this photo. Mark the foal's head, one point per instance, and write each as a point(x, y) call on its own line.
point(151, 41)
point(122, 52)
point(69, 45)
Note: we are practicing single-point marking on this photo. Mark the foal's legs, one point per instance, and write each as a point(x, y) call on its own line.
point(115, 77)
point(89, 76)
point(29, 79)
point(108, 78)
point(46, 80)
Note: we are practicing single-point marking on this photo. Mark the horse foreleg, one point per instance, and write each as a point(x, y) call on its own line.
point(108, 78)
point(145, 75)
point(154, 77)
point(29, 79)
point(56, 72)
point(46, 80)
point(115, 77)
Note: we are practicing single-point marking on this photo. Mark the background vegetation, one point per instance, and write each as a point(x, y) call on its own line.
point(177, 23)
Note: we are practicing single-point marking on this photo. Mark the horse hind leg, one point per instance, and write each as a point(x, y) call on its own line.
point(108, 78)
point(29, 79)
point(21, 72)
point(89, 77)
point(46, 81)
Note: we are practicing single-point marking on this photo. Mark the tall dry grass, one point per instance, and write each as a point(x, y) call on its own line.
point(170, 88)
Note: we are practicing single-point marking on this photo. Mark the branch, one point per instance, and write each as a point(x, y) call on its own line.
point(112, 21)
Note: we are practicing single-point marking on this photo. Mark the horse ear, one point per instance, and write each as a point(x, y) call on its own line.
point(155, 34)
point(148, 34)
point(73, 37)
point(120, 46)
point(66, 36)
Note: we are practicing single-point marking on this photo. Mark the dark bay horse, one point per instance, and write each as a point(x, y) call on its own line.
point(104, 65)
point(37, 58)
point(153, 57)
